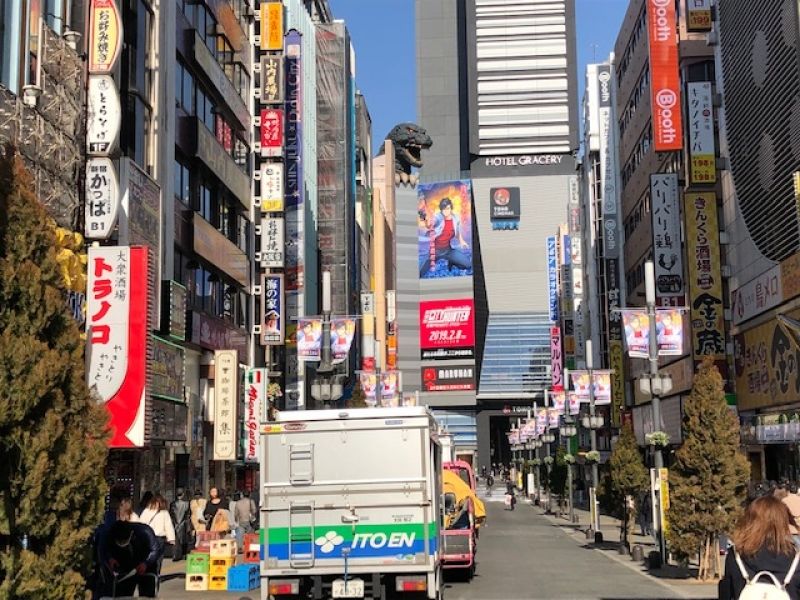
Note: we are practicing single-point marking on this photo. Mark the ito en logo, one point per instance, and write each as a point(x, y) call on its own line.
point(329, 541)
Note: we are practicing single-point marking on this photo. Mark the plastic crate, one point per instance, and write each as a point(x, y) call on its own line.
point(252, 548)
point(197, 562)
point(204, 538)
point(243, 578)
point(218, 582)
point(196, 582)
point(220, 566)
point(222, 548)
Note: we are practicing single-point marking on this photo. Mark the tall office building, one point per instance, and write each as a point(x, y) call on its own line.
point(497, 95)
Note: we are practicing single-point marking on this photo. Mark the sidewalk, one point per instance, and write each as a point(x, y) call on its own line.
point(675, 577)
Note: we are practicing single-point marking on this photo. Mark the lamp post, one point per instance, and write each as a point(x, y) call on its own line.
point(593, 425)
point(568, 431)
point(325, 388)
point(650, 298)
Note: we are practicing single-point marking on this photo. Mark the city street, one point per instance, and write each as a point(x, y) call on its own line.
point(524, 555)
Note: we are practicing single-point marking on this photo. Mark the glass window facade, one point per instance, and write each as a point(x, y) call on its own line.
point(516, 359)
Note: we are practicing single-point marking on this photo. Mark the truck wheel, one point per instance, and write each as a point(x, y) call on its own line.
point(471, 572)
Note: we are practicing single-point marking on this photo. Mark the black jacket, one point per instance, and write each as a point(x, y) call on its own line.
point(143, 548)
point(732, 584)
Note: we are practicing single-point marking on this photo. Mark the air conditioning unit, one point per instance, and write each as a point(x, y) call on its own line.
point(712, 39)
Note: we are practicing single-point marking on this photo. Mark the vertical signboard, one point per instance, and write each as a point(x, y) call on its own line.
point(255, 400)
point(556, 358)
point(272, 79)
point(117, 338)
point(272, 187)
point(705, 276)
point(552, 277)
point(271, 132)
point(226, 386)
point(702, 150)
point(271, 25)
point(698, 15)
point(102, 198)
point(105, 36)
point(615, 336)
point(664, 78)
point(668, 253)
point(608, 164)
point(103, 115)
point(272, 327)
point(272, 242)
point(294, 187)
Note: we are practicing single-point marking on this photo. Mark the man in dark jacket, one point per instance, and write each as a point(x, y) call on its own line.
point(131, 555)
point(179, 511)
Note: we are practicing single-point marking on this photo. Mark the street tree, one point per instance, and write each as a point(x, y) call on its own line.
point(558, 477)
point(628, 477)
point(358, 398)
point(708, 481)
point(53, 434)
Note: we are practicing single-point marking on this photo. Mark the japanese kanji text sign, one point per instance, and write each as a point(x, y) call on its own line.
point(105, 36)
point(226, 388)
point(668, 253)
point(272, 328)
point(102, 198)
point(103, 115)
point(700, 122)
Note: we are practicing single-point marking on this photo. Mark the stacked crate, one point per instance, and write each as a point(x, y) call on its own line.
point(204, 539)
point(222, 555)
point(252, 548)
point(197, 565)
point(243, 578)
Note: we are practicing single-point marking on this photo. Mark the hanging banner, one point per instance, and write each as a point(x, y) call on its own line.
point(103, 115)
point(389, 396)
point(343, 330)
point(309, 339)
point(272, 330)
point(272, 187)
point(553, 418)
point(574, 403)
point(556, 358)
point(542, 419)
point(669, 332)
point(637, 332)
point(272, 245)
point(102, 198)
point(552, 277)
point(272, 79)
point(668, 252)
point(226, 387)
point(369, 385)
point(702, 149)
point(117, 338)
point(698, 15)
point(705, 276)
point(271, 25)
point(664, 77)
point(559, 399)
point(271, 129)
point(105, 36)
point(255, 399)
point(602, 386)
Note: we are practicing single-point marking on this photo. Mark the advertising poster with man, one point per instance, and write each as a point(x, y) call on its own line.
point(309, 339)
point(342, 332)
point(444, 227)
point(637, 333)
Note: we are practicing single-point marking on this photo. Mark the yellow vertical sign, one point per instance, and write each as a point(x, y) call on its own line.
point(616, 362)
point(663, 478)
point(705, 276)
point(271, 26)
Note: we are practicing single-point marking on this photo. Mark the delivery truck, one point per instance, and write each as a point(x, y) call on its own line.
point(351, 504)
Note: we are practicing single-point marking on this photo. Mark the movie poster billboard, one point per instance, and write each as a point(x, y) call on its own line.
point(444, 228)
point(309, 339)
point(602, 386)
point(447, 329)
point(343, 330)
point(504, 207)
point(669, 332)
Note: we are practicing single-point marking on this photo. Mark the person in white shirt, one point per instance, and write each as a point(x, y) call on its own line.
point(158, 518)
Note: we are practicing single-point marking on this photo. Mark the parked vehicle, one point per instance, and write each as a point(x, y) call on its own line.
point(464, 513)
point(351, 504)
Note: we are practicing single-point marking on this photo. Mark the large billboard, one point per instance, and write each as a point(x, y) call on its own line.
point(705, 276)
point(444, 227)
point(664, 79)
point(447, 329)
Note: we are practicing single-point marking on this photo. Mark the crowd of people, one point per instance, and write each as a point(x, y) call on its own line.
point(133, 540)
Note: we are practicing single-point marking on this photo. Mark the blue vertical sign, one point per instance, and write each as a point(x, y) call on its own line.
point(552, 277)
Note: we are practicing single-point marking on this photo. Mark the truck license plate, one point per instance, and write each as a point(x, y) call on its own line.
point(352, 588)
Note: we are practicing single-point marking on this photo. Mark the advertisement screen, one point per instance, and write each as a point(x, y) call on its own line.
point(447, 329)
point(444, 228)
point(454, 378)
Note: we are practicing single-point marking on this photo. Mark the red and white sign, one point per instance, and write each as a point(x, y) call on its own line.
point(556, 358)
point(453, 378)
point(254, 401)
point(665, 80)
point(116, 331)
point(272, 132)
point(447, 323)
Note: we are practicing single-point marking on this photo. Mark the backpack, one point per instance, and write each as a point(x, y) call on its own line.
point(764, 585)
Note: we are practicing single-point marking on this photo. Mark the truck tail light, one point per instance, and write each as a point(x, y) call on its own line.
point(284, 587)
point(411, 583)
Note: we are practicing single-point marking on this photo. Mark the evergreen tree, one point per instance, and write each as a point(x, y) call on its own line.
point(628, 476)
point(708, 481)
point(52, 433)
point(558, 477)
point(358, 398)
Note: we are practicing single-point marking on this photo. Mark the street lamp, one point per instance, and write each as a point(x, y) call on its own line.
point(568, 431)
point(592, 422)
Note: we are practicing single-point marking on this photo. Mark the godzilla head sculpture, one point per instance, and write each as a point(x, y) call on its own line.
point(409, 141)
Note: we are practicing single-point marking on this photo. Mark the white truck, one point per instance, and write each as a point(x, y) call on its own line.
point(351, 504)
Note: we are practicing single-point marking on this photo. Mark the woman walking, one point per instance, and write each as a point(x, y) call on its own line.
point(158, 518)
point(762, 542)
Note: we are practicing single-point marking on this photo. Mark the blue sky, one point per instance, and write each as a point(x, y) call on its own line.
point(383, 37)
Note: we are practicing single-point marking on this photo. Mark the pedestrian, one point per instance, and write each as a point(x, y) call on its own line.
point(489, 484)
point(125, 511)
point(245, 513)
point(216, 514)
point(145, 501)
point(129, 560)
point(511, 499)
point(196, 507)
point(157, 516)
point(762, 542)
point(213, 504)
point(792, 502)
point(179, 510)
